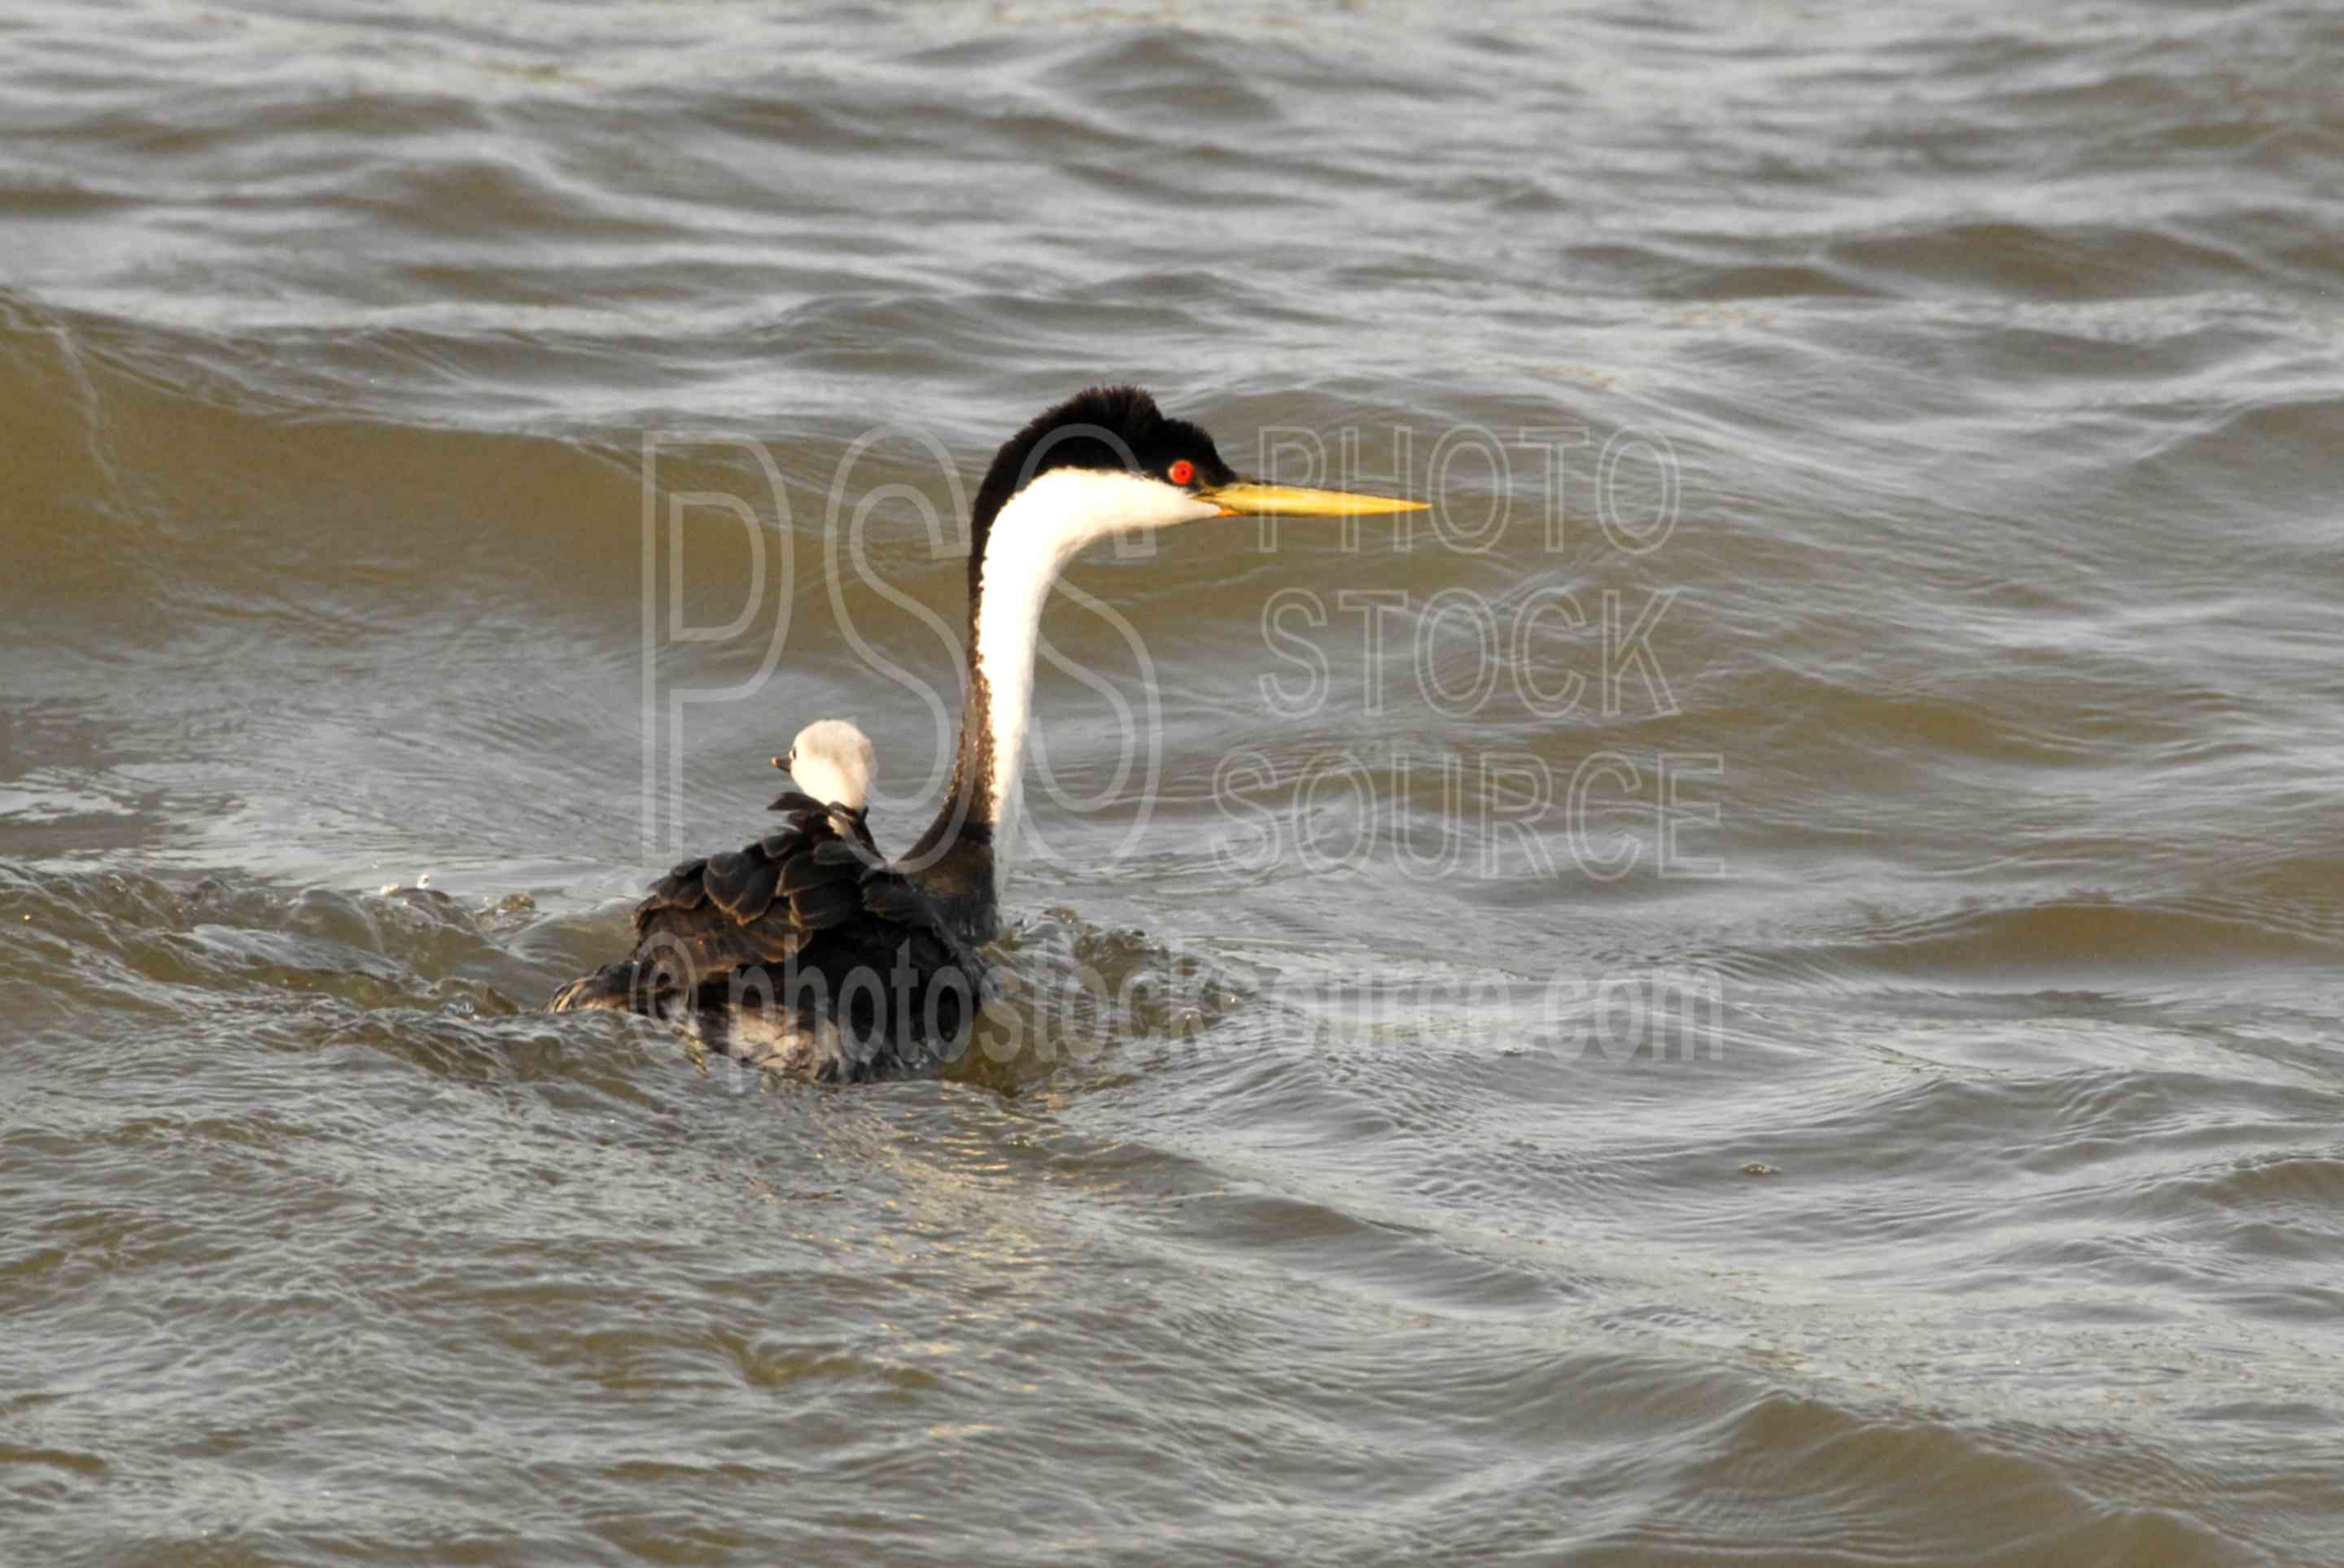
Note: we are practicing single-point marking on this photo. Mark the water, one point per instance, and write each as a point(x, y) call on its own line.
point(1930, 1158)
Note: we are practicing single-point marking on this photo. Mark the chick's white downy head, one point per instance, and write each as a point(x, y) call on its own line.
point(832, 762)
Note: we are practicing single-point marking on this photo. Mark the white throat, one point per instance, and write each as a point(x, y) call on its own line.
point(1044, 527)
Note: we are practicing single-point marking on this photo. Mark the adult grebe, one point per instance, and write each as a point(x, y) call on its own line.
point(809, 953)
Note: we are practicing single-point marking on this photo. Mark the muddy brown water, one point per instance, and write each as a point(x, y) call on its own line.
point(1761, 986)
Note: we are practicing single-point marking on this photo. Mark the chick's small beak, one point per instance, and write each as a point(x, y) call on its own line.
point(1252, 499)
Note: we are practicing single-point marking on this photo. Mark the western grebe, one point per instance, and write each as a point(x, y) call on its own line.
point(807, 950)
point(833, 763)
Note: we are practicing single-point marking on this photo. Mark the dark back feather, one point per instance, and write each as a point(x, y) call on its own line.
point(813, 890)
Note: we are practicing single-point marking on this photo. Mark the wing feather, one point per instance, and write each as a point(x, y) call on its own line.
point(811, 878)
point(824, 905)
point(840, 852)
point(801, 872)
point(681, 888)
point(744, 888)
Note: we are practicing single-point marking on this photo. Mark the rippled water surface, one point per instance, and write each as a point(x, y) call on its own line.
point(1790, 1018)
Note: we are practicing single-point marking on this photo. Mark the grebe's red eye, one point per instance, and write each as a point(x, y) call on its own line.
point(1182, 471)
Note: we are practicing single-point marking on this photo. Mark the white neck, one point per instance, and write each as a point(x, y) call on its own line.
point(1044, 527)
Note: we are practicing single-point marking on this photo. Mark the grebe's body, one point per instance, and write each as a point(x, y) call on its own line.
point(744, 950)
point(809, 952)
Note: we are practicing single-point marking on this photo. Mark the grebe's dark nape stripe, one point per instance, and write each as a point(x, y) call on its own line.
point(1087, 446)
point(814, 898)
